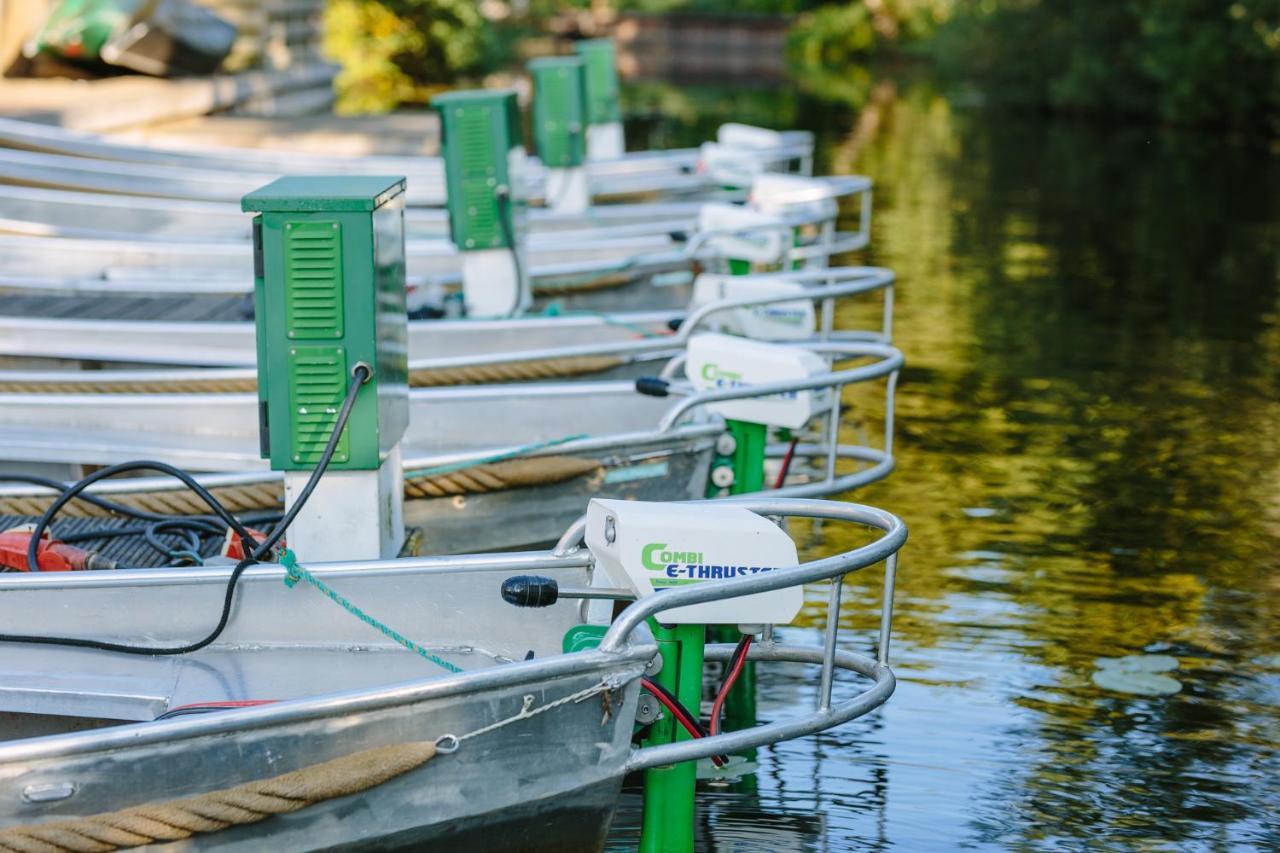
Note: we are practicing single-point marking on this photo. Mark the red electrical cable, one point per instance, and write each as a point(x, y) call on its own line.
point(738, 661)
point(681, 716)
point(786, 464)
point(202, 707)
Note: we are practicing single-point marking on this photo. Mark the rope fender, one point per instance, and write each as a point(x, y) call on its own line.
point(252, 802)
point(245, 804)
point(513, 371)
point(477, 479)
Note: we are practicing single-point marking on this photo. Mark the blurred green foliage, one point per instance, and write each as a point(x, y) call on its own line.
point(834, 33)
point(1213, 63)
point(396, 52)
point(1192, 62)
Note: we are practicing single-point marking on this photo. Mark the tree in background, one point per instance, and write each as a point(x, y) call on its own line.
point(1213, 63)
point(396, 52)
point(832, 34)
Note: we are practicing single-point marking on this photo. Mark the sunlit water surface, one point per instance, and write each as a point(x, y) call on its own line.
point(1089, 464)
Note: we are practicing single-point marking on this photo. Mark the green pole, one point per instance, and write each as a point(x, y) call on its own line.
point(669, 791)
point(748, 456)
point(748, 476)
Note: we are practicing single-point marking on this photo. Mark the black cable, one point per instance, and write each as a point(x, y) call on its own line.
point(671, 697)
point(358, 377)
point(102, 533)
point(174, 528)
point(505, 218)
point(196, 523)
point(124, 467)
point(653, 686)
point(103, 503)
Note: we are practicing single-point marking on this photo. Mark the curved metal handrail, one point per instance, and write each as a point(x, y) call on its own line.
point(819, 720)
point(674, 426)
point(826, 715)
point(890, 361)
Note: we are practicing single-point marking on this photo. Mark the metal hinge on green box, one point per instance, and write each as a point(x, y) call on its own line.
point(560, 129)
point(329, 294)
point(484, 173)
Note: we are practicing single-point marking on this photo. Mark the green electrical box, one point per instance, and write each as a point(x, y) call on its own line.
point(601, 71)
point(329, 294)
point(483, 165)
point(560, 110)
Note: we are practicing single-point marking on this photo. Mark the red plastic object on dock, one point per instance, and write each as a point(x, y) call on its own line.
point(52, 555)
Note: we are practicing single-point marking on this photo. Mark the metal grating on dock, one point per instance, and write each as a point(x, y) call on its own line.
point(107, 307)
point(128, 551)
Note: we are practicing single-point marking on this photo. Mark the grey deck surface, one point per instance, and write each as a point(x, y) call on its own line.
point(128, 551)
point(192, 309)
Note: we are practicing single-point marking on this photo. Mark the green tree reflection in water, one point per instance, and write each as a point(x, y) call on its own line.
point(1089, 461)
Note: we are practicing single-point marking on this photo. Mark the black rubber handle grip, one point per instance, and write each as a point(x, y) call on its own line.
point(530, 591)
point(652, 386)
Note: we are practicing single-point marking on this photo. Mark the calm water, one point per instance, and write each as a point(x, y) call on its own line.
point(1089, 462)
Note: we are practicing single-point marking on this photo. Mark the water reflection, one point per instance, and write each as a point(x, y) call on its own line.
point(1089, 454)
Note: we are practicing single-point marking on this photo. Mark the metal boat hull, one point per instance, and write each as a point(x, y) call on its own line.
point(55, 157)
point(213, 344)
point(343, 688)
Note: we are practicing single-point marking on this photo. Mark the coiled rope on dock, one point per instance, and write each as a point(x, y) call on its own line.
point(101, 381)
point(480, 478)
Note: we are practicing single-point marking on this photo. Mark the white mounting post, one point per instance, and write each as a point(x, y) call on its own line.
point(606, 141)
point(351, 515)
point(493, 283)
point(567, 189)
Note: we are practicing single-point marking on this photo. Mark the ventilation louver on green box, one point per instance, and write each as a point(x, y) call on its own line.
point(313, 279)
point(317, 385)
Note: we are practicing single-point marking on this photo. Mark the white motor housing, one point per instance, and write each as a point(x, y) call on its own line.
point(737, 135)
point(764, 246)
point(651, 547)
point(775, 321)
point(781, 194)
point(729, 166)
point(720, 362)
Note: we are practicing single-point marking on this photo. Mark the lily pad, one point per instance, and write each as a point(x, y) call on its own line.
point(1138, 663)
point(1136, 682)
point(736, 767)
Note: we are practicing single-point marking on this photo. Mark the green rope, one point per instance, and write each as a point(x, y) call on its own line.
point(497, 457)
point(295, 573)
point(555, 310)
